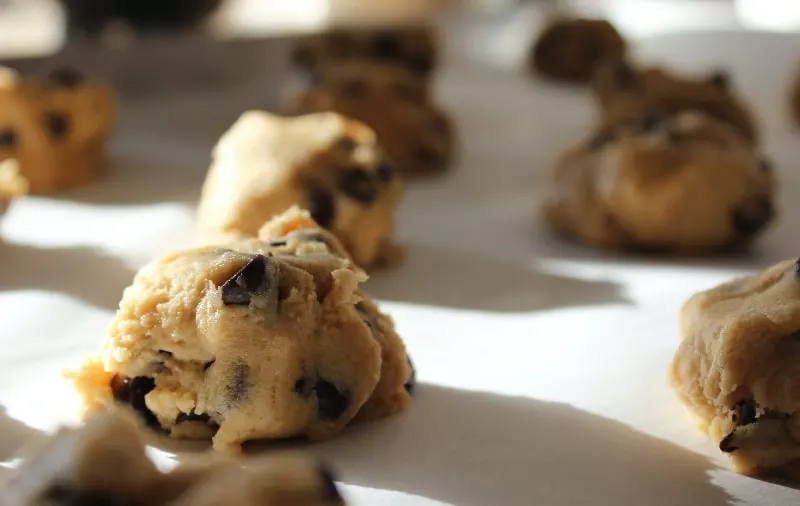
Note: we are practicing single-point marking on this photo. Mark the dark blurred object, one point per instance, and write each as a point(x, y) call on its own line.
point(90, 17)
point(412, 47)
point(795, 97)
point(570, 49)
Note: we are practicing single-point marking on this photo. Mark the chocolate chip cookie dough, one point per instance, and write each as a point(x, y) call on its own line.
point(260, 339)
point(736, 368)
point(56, 128)
point(414, 48)
point(104, 463)
point(416, 134)
point(571, 49)
point(322, 162)
point(624, 92)
point(673, 184)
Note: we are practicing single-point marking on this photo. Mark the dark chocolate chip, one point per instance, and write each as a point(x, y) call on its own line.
point(726, 445)
point(278, 243)
point(65, 77)
point(421, 64)
point(427, 156)
point(765, 165)
point(196, 418)
point(331, 403)
point(330, 492)
point(652, 120)
point(411, 382)
point(359, 185)
point(346, 144)
point(322, 206)
point(385, 171)
point(237, 388)
point(745, 413)
point(249, 281)
point(8, 138)
point(131, 392)
point(386, 46)
point(751, 216)
point(208, 364)
point(720, 79)
point(353, 88)
point(797, 268)
point(602, 138)
point(300, 387)
point(63, 495)
point(57, 124)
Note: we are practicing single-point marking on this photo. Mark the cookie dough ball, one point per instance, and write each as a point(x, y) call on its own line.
point(680, 184)
point(414, 48)
point(322, 162)
point(104, 462)
point(416, 134)
point(261, 339)
point(571, 49)
point(55, 128)
point(736, 368)
point(623, 93)
point(12, 184)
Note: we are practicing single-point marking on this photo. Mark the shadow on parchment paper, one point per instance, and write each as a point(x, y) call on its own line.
point(475, 448)
point(85, 273)
point(439, 277)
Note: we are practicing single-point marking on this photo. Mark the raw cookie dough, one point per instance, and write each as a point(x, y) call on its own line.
point(571, 49)
point(414, 48)
point(680, 184)
point(623, 93)
point(12, 184)
point(323, 162)
point(738, 368)
point(56, 128)
point(104, 463)
point(260, 339)
point(416, 134)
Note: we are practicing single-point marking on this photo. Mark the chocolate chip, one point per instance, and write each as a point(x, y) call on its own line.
point(65, 77)
point(346, 144)
point(353, 88)
point(751, 216)
point(427, 156)
point(64, 495)
point(322, 206)
point(8, 138)
point(651, 120)
point(359, 185)
point(744, 413)
point(726, 445)
point(385, 171)
point(386, 46)
point(421, 64)
point(300, 387)
point(720, 79)
point(411, 382)
point(330, 492)
point(249, 281)
point(131, 392)
point(602, 138)
point(208, 364)
point(278, 243)
point(797, 268)
point(57, 124)
point(331, 403)
point(239, 384)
